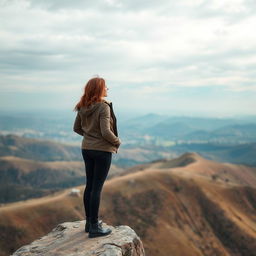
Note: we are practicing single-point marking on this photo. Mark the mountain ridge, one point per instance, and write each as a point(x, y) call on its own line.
point(181, 204)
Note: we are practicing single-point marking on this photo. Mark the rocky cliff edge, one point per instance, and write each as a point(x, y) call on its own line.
point(69, 238)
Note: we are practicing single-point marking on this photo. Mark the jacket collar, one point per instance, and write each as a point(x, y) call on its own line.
point(108, 102)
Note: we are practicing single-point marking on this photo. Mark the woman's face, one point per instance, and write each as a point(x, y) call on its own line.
point(105, 91)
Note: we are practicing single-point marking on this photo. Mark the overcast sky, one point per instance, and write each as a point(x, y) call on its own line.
point(189, 57)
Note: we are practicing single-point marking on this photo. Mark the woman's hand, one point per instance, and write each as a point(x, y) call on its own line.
point(119, 143)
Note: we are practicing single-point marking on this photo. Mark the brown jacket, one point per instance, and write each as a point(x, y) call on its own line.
point(98, 126)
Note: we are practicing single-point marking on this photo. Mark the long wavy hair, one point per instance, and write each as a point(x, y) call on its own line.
point(93, 92)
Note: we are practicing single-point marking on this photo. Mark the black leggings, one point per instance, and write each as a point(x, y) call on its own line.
point(97, 164)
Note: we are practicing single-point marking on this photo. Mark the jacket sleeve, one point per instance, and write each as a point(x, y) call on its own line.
point(77, 125)
point(105, 126)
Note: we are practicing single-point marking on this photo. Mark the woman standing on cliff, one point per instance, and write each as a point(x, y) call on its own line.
point(96, 122)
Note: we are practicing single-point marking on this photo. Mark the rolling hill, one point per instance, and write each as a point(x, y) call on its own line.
point(36, 149)
point(185, 206)
point(21, 178)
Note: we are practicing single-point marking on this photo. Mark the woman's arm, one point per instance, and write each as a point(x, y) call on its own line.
point(77, 125)
point(105, 126)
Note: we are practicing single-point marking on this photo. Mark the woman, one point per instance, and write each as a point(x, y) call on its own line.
point(96, 122)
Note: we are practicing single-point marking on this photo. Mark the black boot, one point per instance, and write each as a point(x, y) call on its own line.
point(87, 225)
point(96, 229)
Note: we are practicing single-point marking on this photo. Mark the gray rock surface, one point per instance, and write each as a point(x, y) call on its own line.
point(70, 239)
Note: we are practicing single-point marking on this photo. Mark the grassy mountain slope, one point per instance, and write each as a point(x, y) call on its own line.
point(176, 207)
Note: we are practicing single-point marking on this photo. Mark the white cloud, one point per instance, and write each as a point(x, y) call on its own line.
point(156, 45)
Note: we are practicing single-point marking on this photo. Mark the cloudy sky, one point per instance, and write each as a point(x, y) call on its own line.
point(188, 57)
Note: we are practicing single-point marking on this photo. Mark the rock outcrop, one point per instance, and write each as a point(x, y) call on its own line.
point(69, 238)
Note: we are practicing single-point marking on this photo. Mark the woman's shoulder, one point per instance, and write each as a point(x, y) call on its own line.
point(105, 105)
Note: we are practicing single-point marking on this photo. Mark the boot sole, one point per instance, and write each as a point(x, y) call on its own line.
point(92, 235)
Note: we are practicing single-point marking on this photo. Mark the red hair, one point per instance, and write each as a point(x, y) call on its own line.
point(93, 92)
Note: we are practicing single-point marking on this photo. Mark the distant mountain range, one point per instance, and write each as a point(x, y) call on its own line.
point(58, 127)
point(144, 138)
point(128, 155)
point(185, 206)
point(191, 129)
